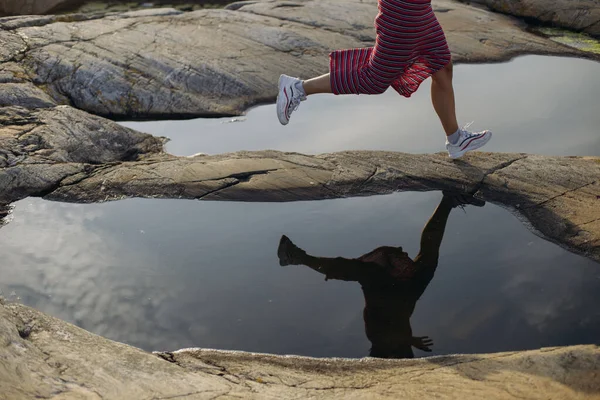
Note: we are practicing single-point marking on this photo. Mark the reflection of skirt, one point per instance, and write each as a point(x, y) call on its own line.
point(393, 260)
point(410, 47)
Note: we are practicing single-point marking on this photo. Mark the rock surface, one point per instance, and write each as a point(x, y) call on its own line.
point(39, 149)
point(172, 64)
point(558, 196)
point(43, 357)
point(65, 154)
point(159, 63)
point(578, 15)
point(30, 7)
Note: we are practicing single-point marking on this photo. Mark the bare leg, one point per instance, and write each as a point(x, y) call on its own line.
point(442, 97)
point(321, 84)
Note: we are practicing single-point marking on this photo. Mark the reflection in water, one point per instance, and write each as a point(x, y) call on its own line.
point(64, 266)
point(169, 274)
point(391, 281)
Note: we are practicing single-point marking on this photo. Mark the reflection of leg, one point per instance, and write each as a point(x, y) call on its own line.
point(289, 253)
point(334, 268)
point(433, 233)
point(326, 265)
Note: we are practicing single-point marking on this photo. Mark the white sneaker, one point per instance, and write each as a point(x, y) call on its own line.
point(291, 93)
point(467, 141)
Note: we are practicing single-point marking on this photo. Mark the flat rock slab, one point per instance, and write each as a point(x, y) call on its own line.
point(39, 149)
point(578, 15)
point(64, 154)
point(27, 7)
point(44, 357)
point(160, 63)
point(558, 196)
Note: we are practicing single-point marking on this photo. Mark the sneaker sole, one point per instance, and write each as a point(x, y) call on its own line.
point(479, 145)
point(282, 101)
point(283, 259)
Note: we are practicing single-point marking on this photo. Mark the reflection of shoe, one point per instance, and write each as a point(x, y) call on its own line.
point(291, 93)
point(463, 199)
point(467, 141)
point(288, 252)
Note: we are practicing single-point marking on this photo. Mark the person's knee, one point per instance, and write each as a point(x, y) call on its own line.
point(444, 75)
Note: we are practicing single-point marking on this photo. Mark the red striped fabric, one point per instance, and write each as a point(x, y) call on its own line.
point(410, 47)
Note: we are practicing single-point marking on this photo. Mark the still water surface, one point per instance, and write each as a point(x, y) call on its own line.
point(167, 274)
point(533, 104)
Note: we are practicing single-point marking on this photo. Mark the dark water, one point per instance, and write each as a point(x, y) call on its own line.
point(534, 104)
point(167, 274)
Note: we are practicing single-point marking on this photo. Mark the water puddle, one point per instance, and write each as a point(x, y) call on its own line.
point(534, 104)
point(167, 274)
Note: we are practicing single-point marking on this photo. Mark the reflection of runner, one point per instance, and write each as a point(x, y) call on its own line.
point(391, 281)
point(410, 47)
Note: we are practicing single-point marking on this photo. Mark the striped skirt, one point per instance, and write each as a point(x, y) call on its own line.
point(410, 47)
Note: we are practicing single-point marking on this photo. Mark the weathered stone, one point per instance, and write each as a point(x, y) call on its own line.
point(64, 154)
point(578, 15)
point(39, 149)
point(5, 212)
point(43, 357)
point(156, 63)
point(166, 63)
point(27, 7)
point(558, 196)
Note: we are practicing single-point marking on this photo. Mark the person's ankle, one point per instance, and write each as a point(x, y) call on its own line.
point(302, 88)
point(454, 137)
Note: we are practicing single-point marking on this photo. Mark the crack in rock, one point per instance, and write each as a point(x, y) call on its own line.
point(561, 194)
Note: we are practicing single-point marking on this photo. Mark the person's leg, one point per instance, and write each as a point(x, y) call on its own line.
point(442, 97)
point(458, 141)
point(352, 71)
point(347, 269)
point(320, 84)
point(433, 232)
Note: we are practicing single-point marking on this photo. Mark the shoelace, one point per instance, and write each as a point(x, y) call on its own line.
point(466, 132)
point(294, 104)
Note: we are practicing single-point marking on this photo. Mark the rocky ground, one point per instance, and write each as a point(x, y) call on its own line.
point(61, 75)
point(65, 154)
point(46, 358)
point(56, 70)
point(159, 63)
point(576, 15)
point(36, 7)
